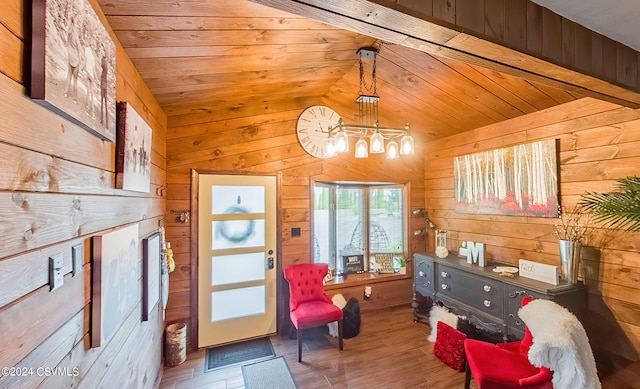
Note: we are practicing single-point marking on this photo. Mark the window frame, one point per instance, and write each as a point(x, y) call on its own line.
point(367, 187)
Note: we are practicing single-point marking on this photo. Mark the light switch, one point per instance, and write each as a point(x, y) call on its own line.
point(56, 274)
point(77, 259)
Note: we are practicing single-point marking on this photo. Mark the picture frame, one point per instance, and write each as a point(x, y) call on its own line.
point(151, 269)
point(73, 65)
point(115, 276)
point(520, 180)
point(353, 264)
point(133, 150)
point(384, 263)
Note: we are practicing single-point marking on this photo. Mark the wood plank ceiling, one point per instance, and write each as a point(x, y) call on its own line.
point(224, 60)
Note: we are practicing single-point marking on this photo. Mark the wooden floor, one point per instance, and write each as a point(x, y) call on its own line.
point(391, 351)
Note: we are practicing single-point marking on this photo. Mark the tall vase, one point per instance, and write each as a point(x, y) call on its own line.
point(569, 260)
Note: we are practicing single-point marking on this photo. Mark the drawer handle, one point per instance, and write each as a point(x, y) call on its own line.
point(520, 293)
point(515, 319)
point(444, 274)
point(444, 286)
point(487, 303)
point(487, 288)
point(421, 273)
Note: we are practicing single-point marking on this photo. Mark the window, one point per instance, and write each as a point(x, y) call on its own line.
point(357, 219)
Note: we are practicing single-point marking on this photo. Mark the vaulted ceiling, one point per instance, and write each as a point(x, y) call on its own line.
point(213, 60)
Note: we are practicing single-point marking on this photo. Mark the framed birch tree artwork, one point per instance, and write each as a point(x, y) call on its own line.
point(151, 263)
point(73, 65)
point(115, 289)
point(520, 180)
point(133, 150)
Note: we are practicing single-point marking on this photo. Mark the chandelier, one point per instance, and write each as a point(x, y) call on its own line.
point(395, 141)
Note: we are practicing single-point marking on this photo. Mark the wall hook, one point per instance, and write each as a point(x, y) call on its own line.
point(183, 216)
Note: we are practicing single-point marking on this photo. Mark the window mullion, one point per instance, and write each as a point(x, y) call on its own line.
point(366, 227)
point(333, 262)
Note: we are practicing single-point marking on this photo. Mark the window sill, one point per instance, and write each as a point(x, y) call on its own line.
point(363, 279)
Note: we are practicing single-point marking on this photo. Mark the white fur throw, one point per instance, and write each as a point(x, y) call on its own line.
point(339, 301)
point(560, 343)
point(437, 314)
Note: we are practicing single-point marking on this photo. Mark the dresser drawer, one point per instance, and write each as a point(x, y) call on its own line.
point(574, 300)
point(487, 327)
point(513, 301)
point(478, 292)
point(423, 275)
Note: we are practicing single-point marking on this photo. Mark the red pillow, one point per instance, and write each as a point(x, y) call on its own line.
point(527, 340)
point(449, 347)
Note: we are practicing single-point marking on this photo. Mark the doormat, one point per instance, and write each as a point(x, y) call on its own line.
point(270, 374)
point(238, 353)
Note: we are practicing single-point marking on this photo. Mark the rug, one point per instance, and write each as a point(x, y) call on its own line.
point(270, 374)
point(238, 353)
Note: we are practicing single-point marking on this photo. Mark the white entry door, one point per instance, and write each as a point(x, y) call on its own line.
point(237, 265)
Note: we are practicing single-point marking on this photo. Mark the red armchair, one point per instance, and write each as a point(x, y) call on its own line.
point(309, 305)
point(505, 365)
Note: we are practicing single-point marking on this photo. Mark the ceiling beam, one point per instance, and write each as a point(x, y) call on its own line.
point(432, 36)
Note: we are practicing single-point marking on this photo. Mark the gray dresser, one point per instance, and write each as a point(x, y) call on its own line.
point(489, 301)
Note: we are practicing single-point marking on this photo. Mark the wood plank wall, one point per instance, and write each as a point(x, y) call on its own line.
point(57, 181)
point(267, 143)
point(599, 143)
point(529, 28)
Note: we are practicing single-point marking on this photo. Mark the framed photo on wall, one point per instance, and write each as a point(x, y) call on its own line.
point(151, 262)
point(116, 281)
point(133, 150)
point(520, 180)
point(73, 65)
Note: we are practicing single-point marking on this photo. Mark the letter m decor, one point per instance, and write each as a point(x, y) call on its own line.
point(475, 253)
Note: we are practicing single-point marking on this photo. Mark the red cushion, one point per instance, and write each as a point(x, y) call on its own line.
point(497, 368)
point(449, 347)
point(315, 313)
point(527, 340)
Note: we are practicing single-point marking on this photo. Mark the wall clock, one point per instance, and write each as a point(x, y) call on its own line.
point(313, 129)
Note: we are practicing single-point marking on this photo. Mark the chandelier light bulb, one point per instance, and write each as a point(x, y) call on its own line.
point(406, 145)
point(377, 143)
point(392, 150)
point(342, 141)
point(331, 147)
point(361, 149)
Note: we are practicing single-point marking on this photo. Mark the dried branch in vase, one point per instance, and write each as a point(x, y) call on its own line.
point(572, 224)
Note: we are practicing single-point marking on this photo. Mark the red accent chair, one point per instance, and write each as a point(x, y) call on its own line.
point(309, 305)
point(505, 365)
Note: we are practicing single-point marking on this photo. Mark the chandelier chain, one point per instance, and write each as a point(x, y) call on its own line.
point(372, 87)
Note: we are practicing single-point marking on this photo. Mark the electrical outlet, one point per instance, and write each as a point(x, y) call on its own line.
point(56, 274)
point(367, 292)
point(77, 259)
